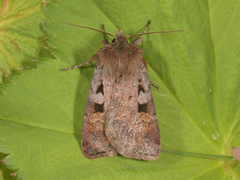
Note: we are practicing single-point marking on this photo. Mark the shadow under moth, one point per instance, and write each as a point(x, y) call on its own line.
point(120, 116)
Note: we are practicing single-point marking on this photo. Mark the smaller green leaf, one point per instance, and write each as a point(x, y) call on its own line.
point(21, 36)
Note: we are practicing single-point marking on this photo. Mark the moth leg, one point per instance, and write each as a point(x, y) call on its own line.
point(146, 26)
point(154, 85)
point(138, 40)
point(105, 41)
point(95, 56)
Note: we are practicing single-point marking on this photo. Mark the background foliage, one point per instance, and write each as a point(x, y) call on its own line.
point(198, 104)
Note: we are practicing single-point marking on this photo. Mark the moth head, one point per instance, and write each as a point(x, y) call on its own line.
point(120, 37)
point(119, 33)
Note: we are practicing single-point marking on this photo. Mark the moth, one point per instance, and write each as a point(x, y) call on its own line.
point(120, 116)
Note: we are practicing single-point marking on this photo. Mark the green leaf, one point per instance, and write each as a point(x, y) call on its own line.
point(198, 104)
point(5, 173)
point(21, 36)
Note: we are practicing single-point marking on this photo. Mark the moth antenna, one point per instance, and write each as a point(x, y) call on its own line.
point(88, 28)
point(153, 33)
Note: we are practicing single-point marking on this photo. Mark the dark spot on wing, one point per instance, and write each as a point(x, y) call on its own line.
point(142, 107)
point(140, 88)
point(99, 107)
point(100, 89)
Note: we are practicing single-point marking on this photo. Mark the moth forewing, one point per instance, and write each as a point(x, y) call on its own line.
point(94, 141)
point(120, 115)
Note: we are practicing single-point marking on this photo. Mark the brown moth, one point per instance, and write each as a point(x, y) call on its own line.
point(120, 116)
